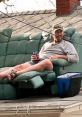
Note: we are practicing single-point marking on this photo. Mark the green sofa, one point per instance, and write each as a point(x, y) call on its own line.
point(18, 49)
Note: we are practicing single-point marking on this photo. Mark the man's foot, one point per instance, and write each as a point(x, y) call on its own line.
point(11, 75)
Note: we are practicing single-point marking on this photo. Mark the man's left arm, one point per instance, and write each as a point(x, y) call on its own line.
point(57, 56)
point(72, 55)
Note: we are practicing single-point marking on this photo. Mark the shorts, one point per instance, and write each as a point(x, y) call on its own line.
point(35, 62)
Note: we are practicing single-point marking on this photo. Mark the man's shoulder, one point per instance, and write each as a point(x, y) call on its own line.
point(67, 43)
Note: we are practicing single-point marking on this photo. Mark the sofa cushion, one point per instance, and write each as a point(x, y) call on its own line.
point(5, 35)
point(69, 32)
point(22, 49)
point(35, 36)
point(60, 62)
point(4, 38)
point(76, 37)
point(28, 75)
point(36, 82)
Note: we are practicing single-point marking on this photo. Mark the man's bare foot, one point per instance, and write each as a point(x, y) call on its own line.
point(11, 75)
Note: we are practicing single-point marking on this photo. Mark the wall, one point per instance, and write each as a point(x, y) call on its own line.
point(65, 7)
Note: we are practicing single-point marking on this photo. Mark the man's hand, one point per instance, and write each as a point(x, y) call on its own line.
point(35, 57)
point(11, 75)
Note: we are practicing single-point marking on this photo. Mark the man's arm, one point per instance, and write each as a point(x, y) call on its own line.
point(57, 56)
point(71, 52)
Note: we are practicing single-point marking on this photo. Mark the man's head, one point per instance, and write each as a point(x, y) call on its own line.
point(57, 33)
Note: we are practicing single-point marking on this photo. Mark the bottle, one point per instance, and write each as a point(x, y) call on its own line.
point(35, 53)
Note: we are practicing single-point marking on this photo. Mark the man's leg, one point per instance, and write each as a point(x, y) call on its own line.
point(22, 68)
point(42, 65)
point(16, 68)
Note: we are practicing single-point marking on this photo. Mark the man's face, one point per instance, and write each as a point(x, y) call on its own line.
point(58, 35)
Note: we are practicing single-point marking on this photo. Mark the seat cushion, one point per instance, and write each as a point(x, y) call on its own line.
point(46, 75)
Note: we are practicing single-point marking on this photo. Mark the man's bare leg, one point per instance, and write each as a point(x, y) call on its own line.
point(5, 73)
point(22, 68)
point(43, 65)
point(16, 68)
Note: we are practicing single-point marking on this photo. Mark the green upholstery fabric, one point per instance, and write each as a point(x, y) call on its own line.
point(26, 76)
point(69, 32)
point(60, 62)
point(4, 38)
point(37, 82)
point(20, 49)
point(7, 92)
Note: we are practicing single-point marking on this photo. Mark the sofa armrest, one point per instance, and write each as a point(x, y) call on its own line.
point(70, 68)
point(62, 66)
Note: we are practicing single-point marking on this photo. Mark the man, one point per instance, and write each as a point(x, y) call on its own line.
point(58, 48)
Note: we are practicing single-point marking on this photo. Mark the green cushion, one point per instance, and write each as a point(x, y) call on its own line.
point(18, 59)
point(3, 47)
point(51, 77)
point(48, 76)
point(20, 51)
point(2, 61)
point(69, 32)
point(26, 76)
point(7, 92)
point(35, 36)
point(4, 38)
point(37, 82)
point(20, 37)
point(60, 62)
point(17, 47)
point(76, 37)
point(34, 82)
point(7, 32)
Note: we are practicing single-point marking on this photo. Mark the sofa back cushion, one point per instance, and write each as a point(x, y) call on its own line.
point(20, 49)
point(4, 38)
point(77, 41)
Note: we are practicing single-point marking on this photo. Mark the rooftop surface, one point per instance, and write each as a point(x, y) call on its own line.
point(36, 21)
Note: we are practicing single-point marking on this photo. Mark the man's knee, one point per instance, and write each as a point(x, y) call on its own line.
point(48, 61)
point(48, 64)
